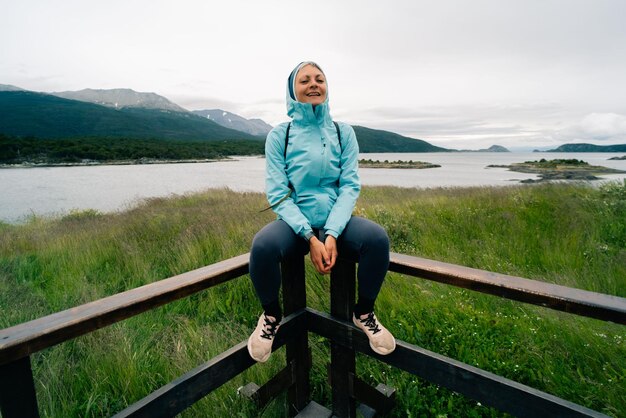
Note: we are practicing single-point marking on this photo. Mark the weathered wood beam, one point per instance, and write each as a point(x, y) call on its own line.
point(567, 299)
point(262, 395)
point(29, 337)
point(297, 350)
point(490, 389)
point(374, 397)
point(342, 358)
point(17, 390)
point(183, 392)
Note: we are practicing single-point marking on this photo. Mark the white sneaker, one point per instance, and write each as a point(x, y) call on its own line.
point(381, 340)
point(261, 340)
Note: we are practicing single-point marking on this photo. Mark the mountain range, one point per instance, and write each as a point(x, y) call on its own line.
point(589, 148)
point(125, 113)
point(25, 113)
point(8, 87)
point(119, 98)
point(255, 127)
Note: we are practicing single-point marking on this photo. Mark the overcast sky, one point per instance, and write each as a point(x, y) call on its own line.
point(461, 74)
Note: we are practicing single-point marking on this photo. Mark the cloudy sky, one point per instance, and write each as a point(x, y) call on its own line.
point(457, 73)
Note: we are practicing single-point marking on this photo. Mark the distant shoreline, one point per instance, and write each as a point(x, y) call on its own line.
point(416, 165)
point(116, 162)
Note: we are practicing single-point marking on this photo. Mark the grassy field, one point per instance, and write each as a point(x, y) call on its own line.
point(573, 235)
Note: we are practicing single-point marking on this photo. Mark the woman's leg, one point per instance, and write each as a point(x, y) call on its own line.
point(272, 244)
point(367, 243)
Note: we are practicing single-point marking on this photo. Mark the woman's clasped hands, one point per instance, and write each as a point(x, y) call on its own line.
point(323, 254)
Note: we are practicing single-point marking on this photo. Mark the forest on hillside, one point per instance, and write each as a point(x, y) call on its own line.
point(15, 150)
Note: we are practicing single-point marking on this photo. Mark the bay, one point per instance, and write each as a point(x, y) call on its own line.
point(54, 191)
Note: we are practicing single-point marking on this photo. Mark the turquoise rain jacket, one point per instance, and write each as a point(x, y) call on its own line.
point(325, 179)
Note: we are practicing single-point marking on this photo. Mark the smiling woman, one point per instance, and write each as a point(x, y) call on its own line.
point(312, 184)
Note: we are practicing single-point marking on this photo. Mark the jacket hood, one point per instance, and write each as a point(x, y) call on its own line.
point(304, 112)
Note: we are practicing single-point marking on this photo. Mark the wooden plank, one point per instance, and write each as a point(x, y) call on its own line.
point(27, 338)
point(280, 382)
point(490, 389)
point(17, 390)
point(379, 401)
point(567, 299)
point(294, 285)
point(183, 392)
point(342, 289)
point(342, 358)
point(297, 350)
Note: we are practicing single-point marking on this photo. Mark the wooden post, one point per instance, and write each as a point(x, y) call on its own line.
point(342, 360)
point(294, 299)
point(17, 390)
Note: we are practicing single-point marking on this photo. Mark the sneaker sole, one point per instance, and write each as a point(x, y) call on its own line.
point(260, 360)
point(381, 351)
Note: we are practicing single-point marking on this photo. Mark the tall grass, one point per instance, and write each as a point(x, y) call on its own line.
point(572, 235)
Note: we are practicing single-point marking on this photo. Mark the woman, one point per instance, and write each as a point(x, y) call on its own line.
point(312, 184)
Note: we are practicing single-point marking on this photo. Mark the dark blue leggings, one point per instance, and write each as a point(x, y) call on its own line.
point(362, 241)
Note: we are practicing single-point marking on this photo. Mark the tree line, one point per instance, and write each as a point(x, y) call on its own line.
point(18, 150)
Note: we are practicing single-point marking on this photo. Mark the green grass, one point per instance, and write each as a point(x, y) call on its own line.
point(571, 235)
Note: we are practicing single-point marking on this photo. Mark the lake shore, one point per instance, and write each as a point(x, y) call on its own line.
point(142, 161)
point(42, 191)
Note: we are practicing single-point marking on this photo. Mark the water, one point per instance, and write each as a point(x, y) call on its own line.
point(469, 168)
point(58, 190)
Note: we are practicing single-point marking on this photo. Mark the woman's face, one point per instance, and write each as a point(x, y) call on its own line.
point(310, 85)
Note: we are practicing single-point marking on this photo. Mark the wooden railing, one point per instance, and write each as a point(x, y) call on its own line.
point(17, 343)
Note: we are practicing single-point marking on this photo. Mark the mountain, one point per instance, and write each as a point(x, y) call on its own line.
point(124, 113)
point(589, 148)
point(370, 140)
point(24, 113)
point(120, 98)
point(374, 140)
point(255, 127)
point(493, 148)
point(8, 87)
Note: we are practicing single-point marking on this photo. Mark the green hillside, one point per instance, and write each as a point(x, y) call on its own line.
point(589, 148)
point(373, 140)
point(46, 151)
point(41, 115)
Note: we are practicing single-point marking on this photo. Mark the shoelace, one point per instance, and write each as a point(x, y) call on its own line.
point(270, 329)
point(370, 322)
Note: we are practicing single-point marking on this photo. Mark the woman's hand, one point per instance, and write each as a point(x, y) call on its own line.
point(331, 249)
point(320, 256)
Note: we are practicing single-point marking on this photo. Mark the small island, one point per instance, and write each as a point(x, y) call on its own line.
point(493, 148)
point(396, 164)
point(559, 169)
point(623, 157)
